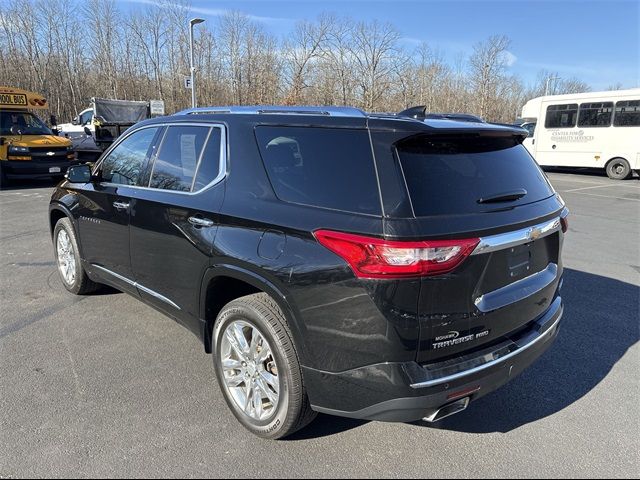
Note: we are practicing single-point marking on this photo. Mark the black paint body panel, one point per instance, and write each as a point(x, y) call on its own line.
point(340, 323)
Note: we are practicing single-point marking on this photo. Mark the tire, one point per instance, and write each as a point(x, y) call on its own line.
point(4, 182)
point(252, 401)
point(65, 248)
point(618, 169)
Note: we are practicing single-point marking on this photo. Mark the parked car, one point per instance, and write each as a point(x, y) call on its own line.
point(369, 266)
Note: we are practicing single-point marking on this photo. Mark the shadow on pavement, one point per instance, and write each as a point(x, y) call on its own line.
point(324, 426)
point(18, 184)
point(600, 323)
point(591, 172)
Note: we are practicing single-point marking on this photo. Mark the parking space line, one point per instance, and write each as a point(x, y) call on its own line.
point(617, 183)
point(587, 188)
point(603, 196)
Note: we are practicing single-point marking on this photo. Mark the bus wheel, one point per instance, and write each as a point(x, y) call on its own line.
point(618, 169)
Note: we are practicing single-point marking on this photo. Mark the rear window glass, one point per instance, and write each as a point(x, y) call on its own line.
point(322, 167)
point(449, 175)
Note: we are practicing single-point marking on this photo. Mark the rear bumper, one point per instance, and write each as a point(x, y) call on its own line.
point(34, 168)
point(409, 391)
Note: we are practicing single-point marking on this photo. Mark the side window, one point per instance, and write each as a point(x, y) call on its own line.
point(321, 167)
point(530, 128)
point(85, 118)
point(176, 163)
point(627, 114)
point(209, 167)
point(595, 114)
point(561, 116)
point(124, 163)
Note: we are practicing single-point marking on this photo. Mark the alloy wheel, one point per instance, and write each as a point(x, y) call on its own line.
point(250, 370)
point(66, 257)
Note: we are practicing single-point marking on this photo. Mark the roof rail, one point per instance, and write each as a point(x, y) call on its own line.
point(276, 109)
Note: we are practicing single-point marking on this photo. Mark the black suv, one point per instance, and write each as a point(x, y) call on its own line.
point(378, 267)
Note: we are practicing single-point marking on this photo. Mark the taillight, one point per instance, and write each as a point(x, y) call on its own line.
point(376, 258)
point(564, 220)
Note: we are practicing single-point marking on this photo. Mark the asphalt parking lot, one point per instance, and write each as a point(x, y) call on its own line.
point(106, 386)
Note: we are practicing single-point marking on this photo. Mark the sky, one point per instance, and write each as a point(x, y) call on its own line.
point(597, 41)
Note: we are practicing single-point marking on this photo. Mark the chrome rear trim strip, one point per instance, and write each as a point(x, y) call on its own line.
point(517, 237)
point(518, 290)
point(450, 378)
point(137, 285)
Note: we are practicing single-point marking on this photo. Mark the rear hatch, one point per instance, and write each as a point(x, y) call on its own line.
point(484, 186)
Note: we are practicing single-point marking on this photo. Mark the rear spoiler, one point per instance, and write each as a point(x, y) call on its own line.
point(420, 113)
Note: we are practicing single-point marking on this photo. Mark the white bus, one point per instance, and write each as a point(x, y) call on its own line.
point(595, 129)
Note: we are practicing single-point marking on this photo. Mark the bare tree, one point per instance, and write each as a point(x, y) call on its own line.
point(142, 53)
point(373, 48)
point(306, 45)
point(487, 65)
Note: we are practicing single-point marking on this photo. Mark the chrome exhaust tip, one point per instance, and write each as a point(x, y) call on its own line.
point(448, 410)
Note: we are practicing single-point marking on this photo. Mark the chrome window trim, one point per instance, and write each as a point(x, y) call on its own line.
point(501, 241)
point(137, 285)
point(222, 165)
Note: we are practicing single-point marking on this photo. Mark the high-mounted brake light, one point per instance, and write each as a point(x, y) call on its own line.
point(376, 258)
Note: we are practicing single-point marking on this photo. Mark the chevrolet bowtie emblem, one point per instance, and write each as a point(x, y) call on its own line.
point(50, 154)
point(534, 233)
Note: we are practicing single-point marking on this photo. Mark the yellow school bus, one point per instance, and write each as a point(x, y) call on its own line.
point(28, 148)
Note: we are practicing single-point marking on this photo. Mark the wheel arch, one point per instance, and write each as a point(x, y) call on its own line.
point(58, 211)
point(243, 282)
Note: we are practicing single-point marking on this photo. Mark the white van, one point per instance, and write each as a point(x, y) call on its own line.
point(595, 129)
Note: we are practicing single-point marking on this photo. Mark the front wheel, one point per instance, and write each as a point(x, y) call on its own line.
point(258, 369)
point(618, 169)
point(65, 246)
point(4, 182)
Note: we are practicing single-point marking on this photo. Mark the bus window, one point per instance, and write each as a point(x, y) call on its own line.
point(561, 116)
point(595, 114)
point(627, 114)
point(530, 128)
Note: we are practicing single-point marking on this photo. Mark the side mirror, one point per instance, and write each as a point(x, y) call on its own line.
point(53, 121)
point(15, 130)
point(75, 121)
point(79, 174)
point(87, 131)
point(2, 140)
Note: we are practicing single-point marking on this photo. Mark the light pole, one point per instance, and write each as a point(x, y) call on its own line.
point(546, 88)
point(192, 22)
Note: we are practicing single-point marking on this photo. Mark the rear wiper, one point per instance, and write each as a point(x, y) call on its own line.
point(504, 197)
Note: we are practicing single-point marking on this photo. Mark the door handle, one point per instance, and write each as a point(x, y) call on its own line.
point(120, 205)
point(201, 222)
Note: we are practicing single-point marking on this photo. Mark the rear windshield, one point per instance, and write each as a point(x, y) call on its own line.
point(322, 167)
point(450, 174)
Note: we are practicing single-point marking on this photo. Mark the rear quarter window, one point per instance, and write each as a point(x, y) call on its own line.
point(448, 175)
point(322, 167)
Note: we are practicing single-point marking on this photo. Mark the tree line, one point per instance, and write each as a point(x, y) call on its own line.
point(92, 48)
